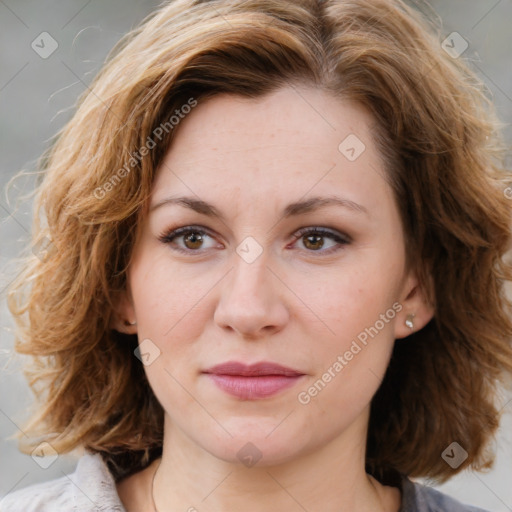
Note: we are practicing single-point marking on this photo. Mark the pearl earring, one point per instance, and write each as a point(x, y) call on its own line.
point(409, 321)
point(126, 322)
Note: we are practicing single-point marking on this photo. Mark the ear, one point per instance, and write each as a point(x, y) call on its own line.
point(415, 308)
point(123, 317)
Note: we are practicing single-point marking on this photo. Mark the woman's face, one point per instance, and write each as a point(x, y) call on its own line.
point(293, 255)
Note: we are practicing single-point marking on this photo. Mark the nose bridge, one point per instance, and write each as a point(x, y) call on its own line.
point(250, 277)
point(249, 300)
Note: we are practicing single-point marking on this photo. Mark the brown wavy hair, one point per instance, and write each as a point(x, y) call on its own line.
point(441, 144)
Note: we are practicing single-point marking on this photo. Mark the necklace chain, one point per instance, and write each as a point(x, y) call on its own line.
point(153, 487)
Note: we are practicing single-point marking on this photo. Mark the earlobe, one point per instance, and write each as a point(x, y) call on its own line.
point(122, 325)
point(416, 310)
point(123, 317)
point(409, 321)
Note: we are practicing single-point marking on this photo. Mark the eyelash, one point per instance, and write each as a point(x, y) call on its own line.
point(169, 236)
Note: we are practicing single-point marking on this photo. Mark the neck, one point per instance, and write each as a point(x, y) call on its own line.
point(331, 478)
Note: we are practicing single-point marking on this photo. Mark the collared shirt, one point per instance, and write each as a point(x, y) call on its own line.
point(92, 488)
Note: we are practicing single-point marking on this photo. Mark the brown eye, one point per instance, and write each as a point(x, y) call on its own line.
point(193, 240)
point(313, 242)
point(313, 239)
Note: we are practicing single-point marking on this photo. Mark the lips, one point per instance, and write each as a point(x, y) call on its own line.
point(250, 382)
point(253, 370)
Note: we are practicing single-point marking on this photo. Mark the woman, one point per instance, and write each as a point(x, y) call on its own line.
point(273, 270)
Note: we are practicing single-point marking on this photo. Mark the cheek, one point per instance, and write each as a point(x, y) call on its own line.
point(171, 314)
point(169, 301)
point(358, 308)
point(349, 300)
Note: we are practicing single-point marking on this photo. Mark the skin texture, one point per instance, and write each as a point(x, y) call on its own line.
point(297, 304)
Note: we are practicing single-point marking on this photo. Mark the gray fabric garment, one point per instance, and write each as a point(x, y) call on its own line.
point(91, 488)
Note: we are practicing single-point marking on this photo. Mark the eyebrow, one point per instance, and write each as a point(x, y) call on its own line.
point(293, 209)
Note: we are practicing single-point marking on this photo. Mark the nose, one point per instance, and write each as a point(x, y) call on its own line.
point(252, 300)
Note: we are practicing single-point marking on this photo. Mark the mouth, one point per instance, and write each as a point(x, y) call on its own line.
point(252, 382)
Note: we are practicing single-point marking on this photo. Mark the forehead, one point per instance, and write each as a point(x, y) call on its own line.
point(286, 143)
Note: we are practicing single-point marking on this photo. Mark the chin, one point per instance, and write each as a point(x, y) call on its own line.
point(261, 446)
point(248, 453)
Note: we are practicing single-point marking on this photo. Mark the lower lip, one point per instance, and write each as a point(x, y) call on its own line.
point(252, 388)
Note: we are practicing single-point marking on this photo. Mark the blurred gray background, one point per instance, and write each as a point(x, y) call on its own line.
point(49, 53)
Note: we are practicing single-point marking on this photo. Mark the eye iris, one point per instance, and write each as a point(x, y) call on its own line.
point(193, 238)
point(318, 239)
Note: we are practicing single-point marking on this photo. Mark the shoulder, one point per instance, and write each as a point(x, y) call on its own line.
point(90, 488)
point(421, 498)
